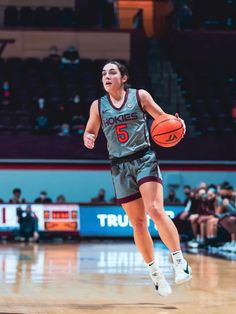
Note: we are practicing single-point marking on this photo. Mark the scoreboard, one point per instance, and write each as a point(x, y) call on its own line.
point(51, 217)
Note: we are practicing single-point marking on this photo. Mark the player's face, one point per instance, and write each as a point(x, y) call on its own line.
point(111, 78)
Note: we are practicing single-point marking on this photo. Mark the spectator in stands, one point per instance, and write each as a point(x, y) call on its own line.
point(194, 212)
point(213, 206)
point(54, 57)
point(28, 224)
point(70, 56)
point(100, 198)
point(204, 222)
point(1, 201)
point(185, 17)
point(41, 117)
point(16, 197)
point(182, 220)
point(43, 198)
point(65, 130)
point(78, 124)
point(228, 222)
point(6, 94)
point(225, 218)
point(187, 193)
point(109, 17)
point(61, 199)
point(171, 198)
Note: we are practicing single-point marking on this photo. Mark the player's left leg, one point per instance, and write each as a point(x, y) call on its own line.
point(152, 195)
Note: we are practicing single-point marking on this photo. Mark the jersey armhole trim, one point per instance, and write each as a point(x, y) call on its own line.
point(99, 108)
point(139, 101)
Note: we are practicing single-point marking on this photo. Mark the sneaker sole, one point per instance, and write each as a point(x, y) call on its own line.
point(184, 280)
point(163, 295)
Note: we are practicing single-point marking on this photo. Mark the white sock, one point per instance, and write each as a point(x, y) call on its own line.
point(153, 267)
point(177, 257)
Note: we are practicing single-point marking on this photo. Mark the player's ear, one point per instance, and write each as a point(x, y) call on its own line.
point(124, 78)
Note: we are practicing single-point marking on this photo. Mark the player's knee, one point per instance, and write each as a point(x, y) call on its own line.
point(139, 224)
point(155, 210)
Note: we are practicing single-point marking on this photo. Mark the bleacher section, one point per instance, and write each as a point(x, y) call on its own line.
point(205, 63)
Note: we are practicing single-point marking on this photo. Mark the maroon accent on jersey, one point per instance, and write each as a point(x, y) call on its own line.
point(99, 108)
point(139, 100)
point(128, 198)
point(125, 99)
point(145, 129)
point(149, 179)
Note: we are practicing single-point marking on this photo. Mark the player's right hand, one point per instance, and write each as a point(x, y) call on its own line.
point(89, 140)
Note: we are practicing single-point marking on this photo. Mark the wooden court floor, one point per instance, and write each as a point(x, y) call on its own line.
point(107, 277)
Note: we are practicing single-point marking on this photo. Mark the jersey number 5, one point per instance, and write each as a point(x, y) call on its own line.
point(122, 135)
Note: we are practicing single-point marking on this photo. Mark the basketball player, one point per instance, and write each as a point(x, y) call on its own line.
point(135, 172)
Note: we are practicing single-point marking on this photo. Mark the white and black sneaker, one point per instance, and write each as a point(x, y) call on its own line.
point(161, 285)
point(183, 272)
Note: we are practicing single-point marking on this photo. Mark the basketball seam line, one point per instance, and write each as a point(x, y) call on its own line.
point(163, 122)
point(168, 132)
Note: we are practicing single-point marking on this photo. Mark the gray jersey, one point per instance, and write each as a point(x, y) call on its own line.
point(125, 128)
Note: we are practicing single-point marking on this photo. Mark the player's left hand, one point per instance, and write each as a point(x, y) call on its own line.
point(182, 121)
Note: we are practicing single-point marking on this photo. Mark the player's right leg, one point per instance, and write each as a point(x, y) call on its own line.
point(136, 213)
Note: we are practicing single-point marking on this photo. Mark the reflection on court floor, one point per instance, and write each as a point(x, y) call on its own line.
point(107, 277)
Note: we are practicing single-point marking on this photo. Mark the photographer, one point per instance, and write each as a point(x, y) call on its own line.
point(28, 224)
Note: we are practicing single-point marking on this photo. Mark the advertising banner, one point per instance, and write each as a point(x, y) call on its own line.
point(111, 221)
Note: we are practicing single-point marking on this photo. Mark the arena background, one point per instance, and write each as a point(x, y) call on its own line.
point(183, 53)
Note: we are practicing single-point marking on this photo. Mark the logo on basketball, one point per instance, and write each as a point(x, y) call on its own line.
point(171, 138)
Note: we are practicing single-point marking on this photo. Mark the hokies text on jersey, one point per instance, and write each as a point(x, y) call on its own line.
point(120, 118)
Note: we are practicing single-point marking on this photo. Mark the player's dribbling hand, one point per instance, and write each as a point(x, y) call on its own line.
point(89, 140)
point(183, 123)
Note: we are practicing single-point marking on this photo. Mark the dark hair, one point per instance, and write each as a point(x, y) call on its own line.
point(186, 186)
point(16, 190)
point(122, 68)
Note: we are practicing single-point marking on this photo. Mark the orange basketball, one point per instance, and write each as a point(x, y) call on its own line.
point(167, 130)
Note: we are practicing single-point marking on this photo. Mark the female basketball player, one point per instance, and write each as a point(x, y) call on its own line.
point(135, 172)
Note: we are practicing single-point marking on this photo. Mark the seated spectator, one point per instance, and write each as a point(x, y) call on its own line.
point(41, 117)
point(225, 218)
point(108, 16)
point(28, 222)
point(100, 198)
point(171, 199)
point(65, 130)
point(204, 222)
point(187, 193)
point(113, 200)
point(229, 224)
point(70, 56)
point(61, 199)
point(182, 219)
point(16, 197)
point(194, 212)
point(54, 57)
point(1, 201)
point(43, 198)
point(6, 94)
point(78, 124)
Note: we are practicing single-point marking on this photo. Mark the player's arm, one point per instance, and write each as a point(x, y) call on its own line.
point(93, 126)
point(148, 104)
